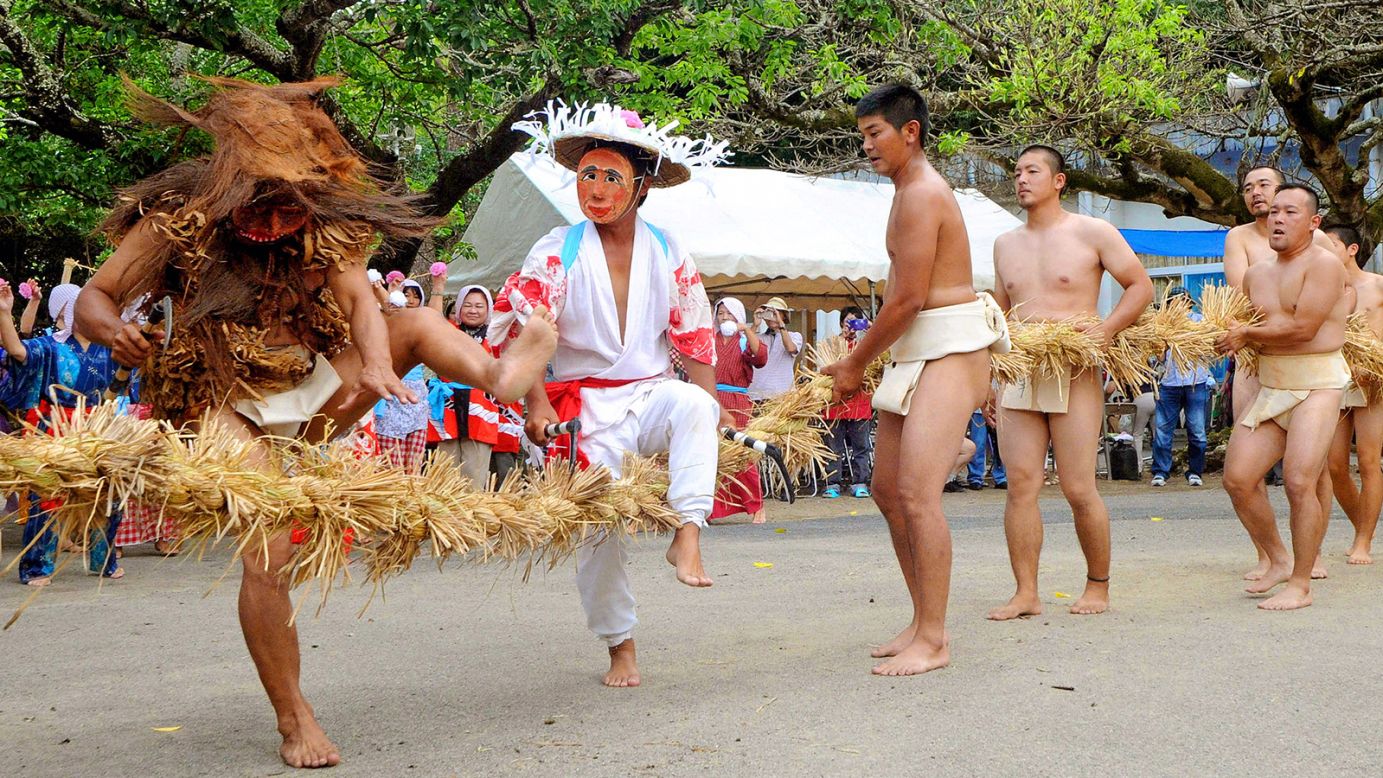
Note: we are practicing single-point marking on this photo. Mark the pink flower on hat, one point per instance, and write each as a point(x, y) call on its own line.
point(631, 118)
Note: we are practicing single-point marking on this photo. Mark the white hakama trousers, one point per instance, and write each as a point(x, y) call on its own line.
point(673, 417)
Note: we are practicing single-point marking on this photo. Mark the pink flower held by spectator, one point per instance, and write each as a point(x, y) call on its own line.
point(438, 268)
point(25, 290)
point(631, 118)
point(393, 276)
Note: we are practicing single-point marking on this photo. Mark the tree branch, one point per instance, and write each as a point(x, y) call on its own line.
point(47, 102)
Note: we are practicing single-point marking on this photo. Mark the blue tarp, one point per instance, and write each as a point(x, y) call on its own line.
point(1173, 243)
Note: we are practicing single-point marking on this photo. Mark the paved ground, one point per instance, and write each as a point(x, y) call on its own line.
point(474, 672)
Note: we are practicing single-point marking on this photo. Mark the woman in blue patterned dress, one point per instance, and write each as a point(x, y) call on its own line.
point(52, 370)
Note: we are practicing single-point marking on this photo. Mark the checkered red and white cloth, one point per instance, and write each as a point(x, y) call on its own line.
point(144, 523)
point(407, 452)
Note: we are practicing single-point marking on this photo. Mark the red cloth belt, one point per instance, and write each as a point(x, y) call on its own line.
point(565, 397)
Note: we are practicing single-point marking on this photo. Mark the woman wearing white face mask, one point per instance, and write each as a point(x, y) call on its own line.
point(738, 352)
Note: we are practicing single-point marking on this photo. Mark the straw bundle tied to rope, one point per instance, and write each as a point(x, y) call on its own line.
point(792, 420)
point(218, 485)
point(1363, 350)
point(1225, 307)
point(1046, 349)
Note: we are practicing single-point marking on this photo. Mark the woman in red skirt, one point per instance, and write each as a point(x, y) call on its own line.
point(738, 352)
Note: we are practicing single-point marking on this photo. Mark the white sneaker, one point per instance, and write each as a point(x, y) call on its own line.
point(1159, 480)
point(1193, 480)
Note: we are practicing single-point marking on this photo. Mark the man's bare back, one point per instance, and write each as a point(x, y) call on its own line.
point(952, 281)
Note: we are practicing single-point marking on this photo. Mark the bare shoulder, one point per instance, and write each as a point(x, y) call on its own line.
point(927, 192)
point(1092, 228)
point(1325, 261)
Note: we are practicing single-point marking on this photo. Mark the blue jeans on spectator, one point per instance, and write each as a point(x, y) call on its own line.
point(37, 561)
point(985, 438)
point(1172, 401)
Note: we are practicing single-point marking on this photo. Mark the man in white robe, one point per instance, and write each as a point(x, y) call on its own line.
point(624, 293)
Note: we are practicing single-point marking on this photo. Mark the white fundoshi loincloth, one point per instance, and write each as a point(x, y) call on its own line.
point(936, 333)
point(1288, 379)
point(284, 413)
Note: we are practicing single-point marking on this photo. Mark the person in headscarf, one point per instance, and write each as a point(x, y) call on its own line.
point(738, 352)
point(44, 374)
point(468, 417)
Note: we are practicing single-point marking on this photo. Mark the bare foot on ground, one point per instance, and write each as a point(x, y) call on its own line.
point(1360, 553)
point(39, 583)
point(1258, 570)
point(1094, 600)
point(305, 744)
point(623, 670)
point(685, 555)
point(901, 641)
point(1274, 575)
point(1289, 599)
point(760, 516)
point(918, 657)
point(1318, 571)
point(1019, 606)
point(525, 360)
point(166, 547)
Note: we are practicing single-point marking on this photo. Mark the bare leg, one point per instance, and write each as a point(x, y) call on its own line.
point(1075, 441)
point(624, 671)
point(936, 425)
point(422, 335)
point(1341, 480)
point(1243, 393)
point(265, 612)
point(887, 455)
point(1251, 454)
point(1368, 442)
point(1307, 446)
point(1323, 494)
point(1023, 443)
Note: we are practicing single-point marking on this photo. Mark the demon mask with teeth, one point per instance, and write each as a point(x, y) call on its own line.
point(243, 238)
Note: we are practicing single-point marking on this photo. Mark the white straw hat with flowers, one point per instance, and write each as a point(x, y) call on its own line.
point(566, 133)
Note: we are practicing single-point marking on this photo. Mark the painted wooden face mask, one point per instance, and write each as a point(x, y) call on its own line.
point(606, 185)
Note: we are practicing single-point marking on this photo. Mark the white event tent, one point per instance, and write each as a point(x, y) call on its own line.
point(817, 242)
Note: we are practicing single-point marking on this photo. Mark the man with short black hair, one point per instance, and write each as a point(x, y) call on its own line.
point(1361, 418)
point(939, 333)
point(1050, 269)
point(1245, 247)
point(1303, 297)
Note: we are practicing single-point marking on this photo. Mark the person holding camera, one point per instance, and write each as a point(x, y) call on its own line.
point(778, 374)
point(848, 426)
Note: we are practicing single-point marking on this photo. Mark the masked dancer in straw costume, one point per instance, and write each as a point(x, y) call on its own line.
point(1361, 419)
point(939, 334)
point(262, 248)
point(1304, 297)
point(623, 292)
point(1050, 270)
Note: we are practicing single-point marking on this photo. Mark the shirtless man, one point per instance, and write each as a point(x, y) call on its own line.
point(1304, 299)
point(1362, 417)
point(929, 282)
point(1050, 269)
point(1246, 246)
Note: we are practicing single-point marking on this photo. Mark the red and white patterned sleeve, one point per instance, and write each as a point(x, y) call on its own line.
point(541, 281)
point(690, 322)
